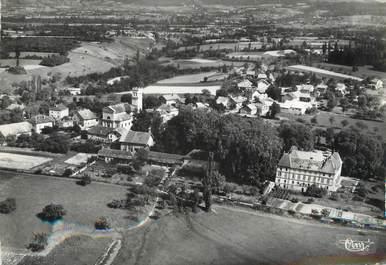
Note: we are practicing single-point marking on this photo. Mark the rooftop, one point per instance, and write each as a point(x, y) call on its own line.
point(117, 108)
point(86, 114)
point(39, 119)
point(317, 160)
point(58, 108)
point(132, 137)
point(112, 153)
point(15, 128)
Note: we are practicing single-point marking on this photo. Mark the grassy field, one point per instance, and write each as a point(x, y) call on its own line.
point(198, 63)
point(86, 59)
point(187, 79)
point(229, 46)
point(240, 237)
point(323, 120)
point(363, 71)
point(17, 161)
point(33, 192)
point(72, 251)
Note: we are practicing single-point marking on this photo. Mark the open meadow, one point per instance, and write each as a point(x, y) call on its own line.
point(88, 58)
point(237, 236)
point(75, 250)
point(197, 63)
point(33, 192)
point(329, 119)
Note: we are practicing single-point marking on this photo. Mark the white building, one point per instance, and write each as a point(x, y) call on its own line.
point(245, 85)
point(115, 116)
point(167, 112)
point(262, 85)
point(298, 170)
point(85, 118)
point(295, 107)
point(74, 91)
point(41, 121)
point(58, 112)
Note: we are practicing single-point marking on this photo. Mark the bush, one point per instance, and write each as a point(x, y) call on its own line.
point(291, 212)
point(101, 223)
point(54, 60)
point(8, 206)
point(229, 187)
point(152, 180)
point(334, 197)
point(52, 212)
point(85, 180)
point(87, 147)
point(358, 198)
point(117, 204)
point(125, 169)
point(39, 242)
point(67, 172)
point(17, 70)
point(316, 192)
point(309, 201)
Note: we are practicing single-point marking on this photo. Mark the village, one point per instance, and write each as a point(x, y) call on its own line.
point(161, 129)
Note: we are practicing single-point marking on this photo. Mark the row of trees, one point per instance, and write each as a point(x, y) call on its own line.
point(54, 143)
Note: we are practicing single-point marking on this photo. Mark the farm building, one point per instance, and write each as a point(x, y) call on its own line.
point(117, 156)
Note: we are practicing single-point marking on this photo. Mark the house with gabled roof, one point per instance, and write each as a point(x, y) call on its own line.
point(85, 118)
point(58, 112)
point(245, 85)
point(41, 121)
point(132, 141)
point(171, 100)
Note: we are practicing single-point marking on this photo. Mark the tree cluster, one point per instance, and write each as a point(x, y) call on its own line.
point(248, 149)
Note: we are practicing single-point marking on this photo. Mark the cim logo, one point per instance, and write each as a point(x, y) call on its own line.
point(357, 244)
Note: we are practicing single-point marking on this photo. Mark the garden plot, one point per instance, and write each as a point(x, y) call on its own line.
point(78, 159)
point(16, 161)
